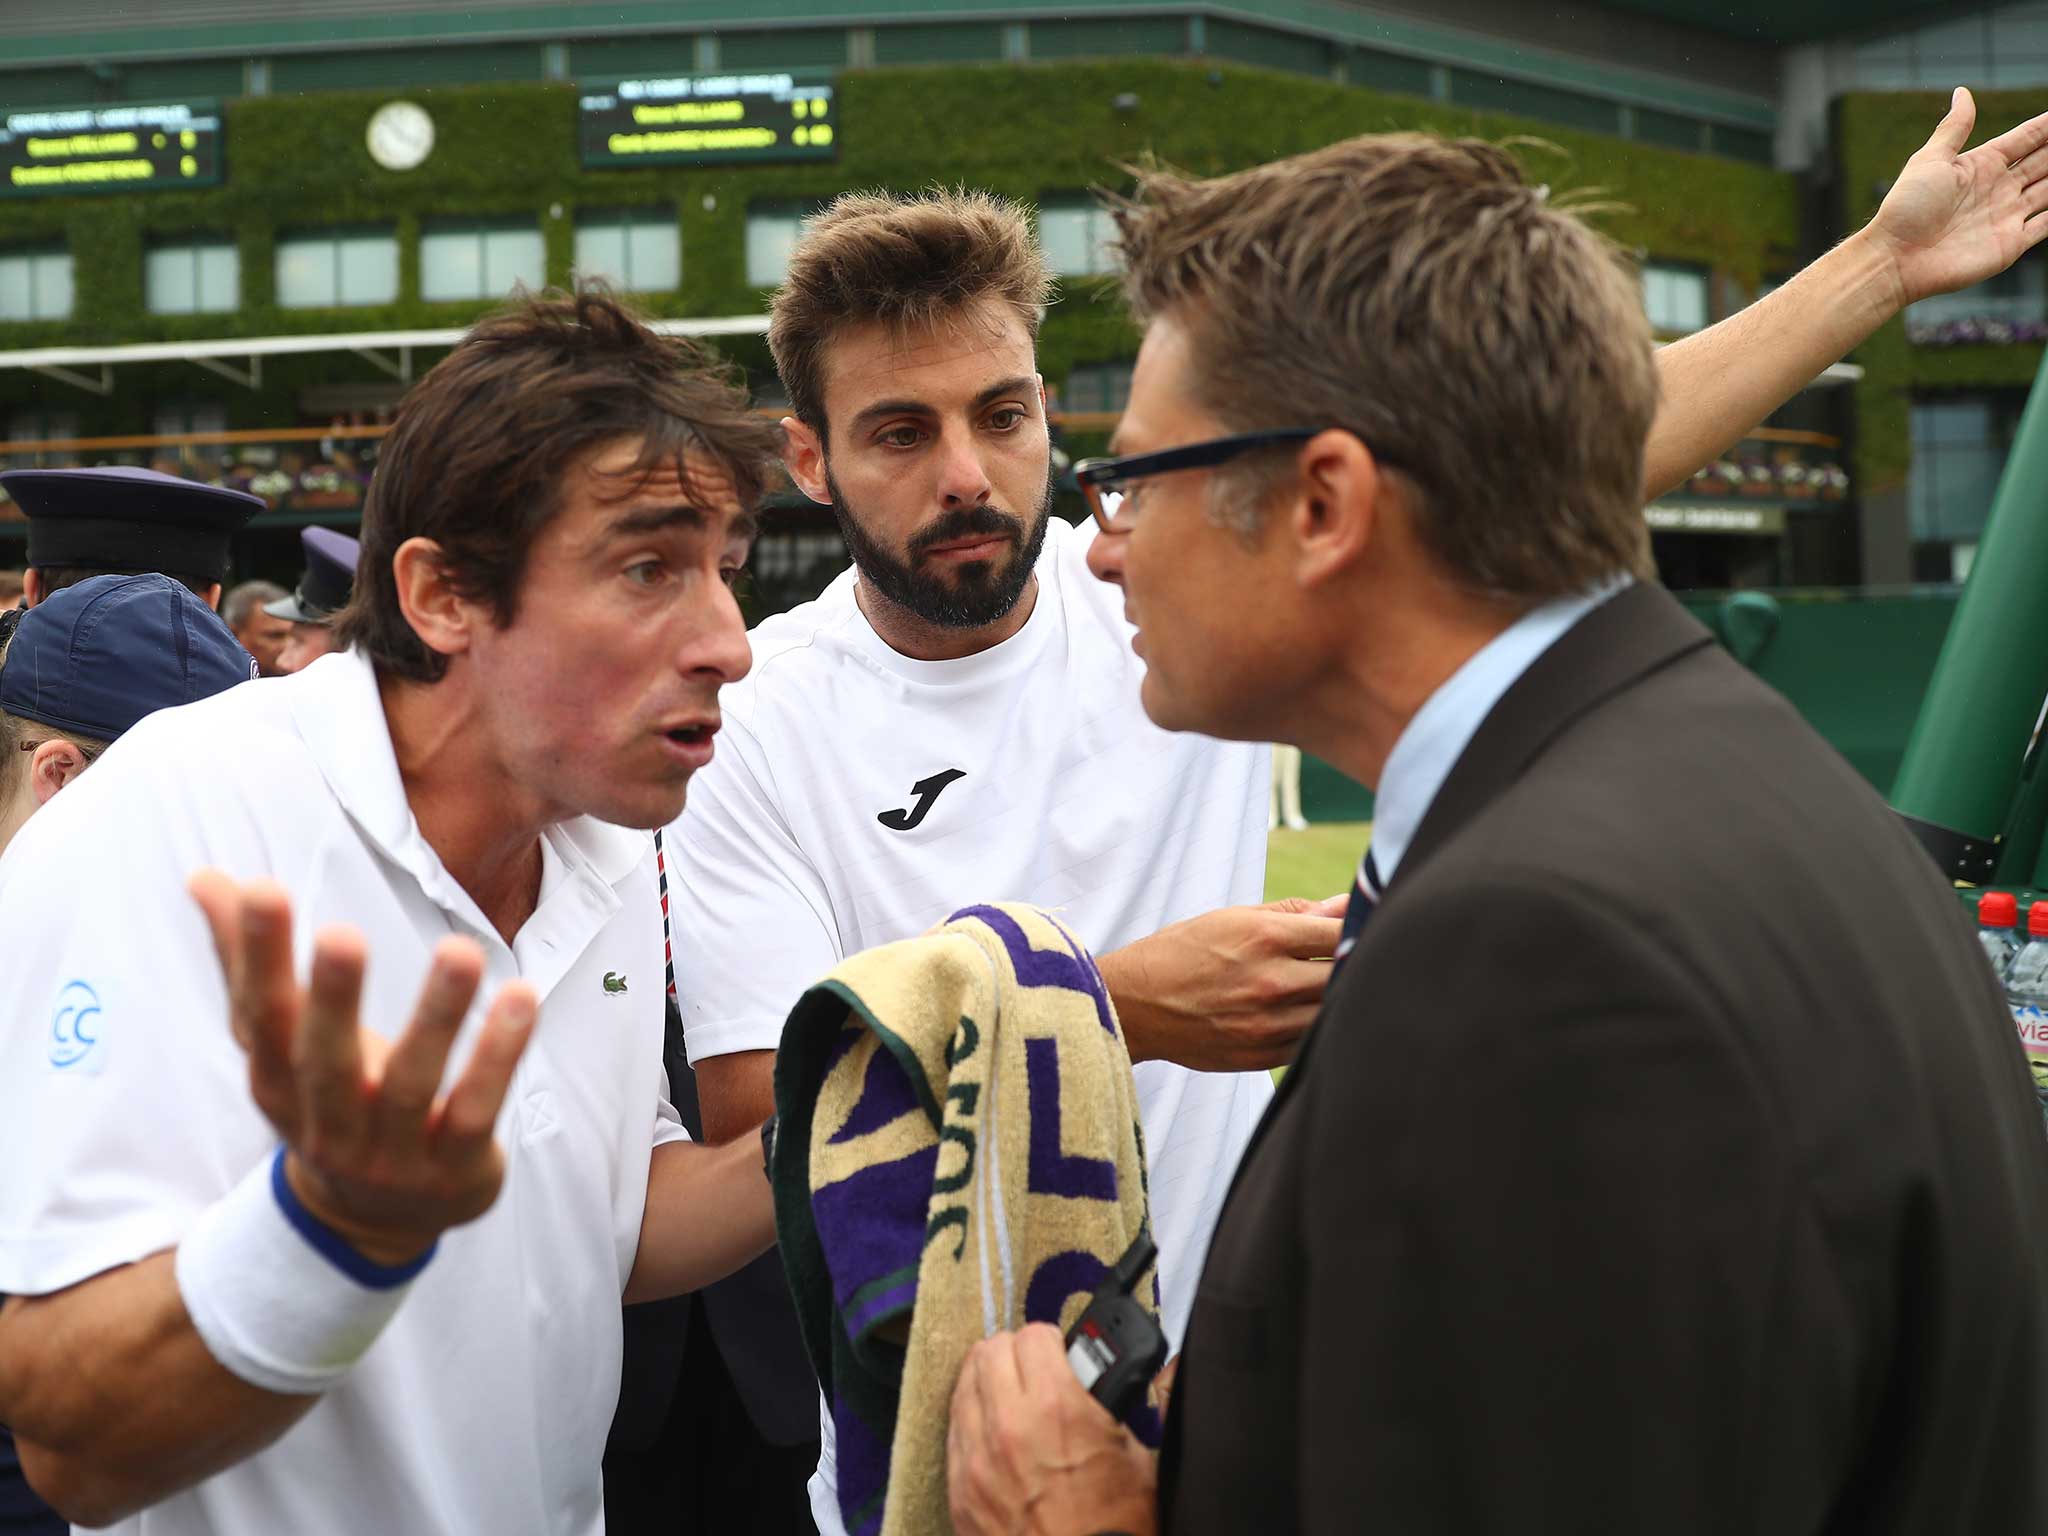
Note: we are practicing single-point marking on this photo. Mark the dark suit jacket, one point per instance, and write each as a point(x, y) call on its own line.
point(1664, 1159)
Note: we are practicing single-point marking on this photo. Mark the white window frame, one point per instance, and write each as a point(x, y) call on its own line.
point(1062, 220)
point(1667, 288)
point(45, 273)
point(335, 240)
point(623, 222)
point(773, 230)
point(158, 260)
point(455, 232)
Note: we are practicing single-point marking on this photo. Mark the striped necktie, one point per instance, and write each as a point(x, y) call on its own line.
point(1365, 896)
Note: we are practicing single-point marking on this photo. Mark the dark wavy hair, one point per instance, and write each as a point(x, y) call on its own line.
point(482, 446)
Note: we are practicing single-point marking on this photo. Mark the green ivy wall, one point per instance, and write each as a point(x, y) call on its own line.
point(1027, 130)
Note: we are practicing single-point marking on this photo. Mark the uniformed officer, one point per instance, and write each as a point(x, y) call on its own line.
point(323, 591)
point(122, 521)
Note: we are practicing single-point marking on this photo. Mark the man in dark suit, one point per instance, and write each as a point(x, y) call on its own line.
point(1663, 1159)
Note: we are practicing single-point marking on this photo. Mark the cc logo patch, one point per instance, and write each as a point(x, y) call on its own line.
point(75, 1028)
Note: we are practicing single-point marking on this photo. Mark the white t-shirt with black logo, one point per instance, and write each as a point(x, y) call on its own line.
point(858, 797)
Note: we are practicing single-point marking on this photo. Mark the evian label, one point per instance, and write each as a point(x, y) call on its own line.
point(2032, 1022)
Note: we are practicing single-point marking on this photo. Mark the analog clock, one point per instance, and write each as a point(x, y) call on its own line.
point(401, 135)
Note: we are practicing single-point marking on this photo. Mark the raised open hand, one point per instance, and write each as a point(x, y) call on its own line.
point(375, 1150)
point(1954, 218)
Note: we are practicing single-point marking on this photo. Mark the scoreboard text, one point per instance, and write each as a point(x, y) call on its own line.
point(110, 149)
point(708, 120)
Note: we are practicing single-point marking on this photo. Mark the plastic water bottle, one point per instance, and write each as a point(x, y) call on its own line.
point(2026, 989)
point(1998, 916)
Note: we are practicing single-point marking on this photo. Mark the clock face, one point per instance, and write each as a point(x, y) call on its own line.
point(401, 135)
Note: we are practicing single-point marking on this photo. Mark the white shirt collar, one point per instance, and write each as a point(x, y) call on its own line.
point(1436, 737)
point(340, 715)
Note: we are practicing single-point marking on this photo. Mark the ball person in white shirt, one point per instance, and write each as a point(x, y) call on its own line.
point(406, 1316)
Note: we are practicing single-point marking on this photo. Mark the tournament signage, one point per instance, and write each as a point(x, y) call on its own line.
point(146, 148)
point(1766, 521)
point(708, 120)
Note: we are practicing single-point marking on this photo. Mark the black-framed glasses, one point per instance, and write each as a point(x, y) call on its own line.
point(1103, 481)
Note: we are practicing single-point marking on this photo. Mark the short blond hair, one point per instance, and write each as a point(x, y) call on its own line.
point(906, 262)
point(1418, 292)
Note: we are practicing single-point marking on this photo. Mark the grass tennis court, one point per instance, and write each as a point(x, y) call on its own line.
point(1318, 862)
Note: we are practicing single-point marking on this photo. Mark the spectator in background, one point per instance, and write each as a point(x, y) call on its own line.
point(122, 521)
point(78, 670)
point(1285, 807)
point(263, 634)
point(10, 588)
point(323, 591)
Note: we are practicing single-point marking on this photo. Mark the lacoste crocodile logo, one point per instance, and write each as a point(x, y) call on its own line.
point(614, 982)
point(927, 791)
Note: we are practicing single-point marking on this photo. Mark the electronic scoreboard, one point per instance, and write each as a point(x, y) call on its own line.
point(708, 120)
point(149, 148)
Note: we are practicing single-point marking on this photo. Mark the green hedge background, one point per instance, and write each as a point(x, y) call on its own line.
point(1027, 130)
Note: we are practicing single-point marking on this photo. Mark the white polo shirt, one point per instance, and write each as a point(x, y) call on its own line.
point(859, 797)
point(125, 1108)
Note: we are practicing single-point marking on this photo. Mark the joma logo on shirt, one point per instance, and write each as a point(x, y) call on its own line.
point(614, 982)
point(927, 791)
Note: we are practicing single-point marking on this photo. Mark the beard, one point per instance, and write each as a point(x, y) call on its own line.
point(969, 596)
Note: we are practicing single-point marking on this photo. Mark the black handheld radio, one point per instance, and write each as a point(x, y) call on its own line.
point(1115, 1347)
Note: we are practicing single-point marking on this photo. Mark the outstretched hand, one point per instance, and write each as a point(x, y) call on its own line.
point(374, 1149)
point(1954, 218)
point(1230, 991)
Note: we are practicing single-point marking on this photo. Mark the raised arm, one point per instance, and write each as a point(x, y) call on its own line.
point(709, 1210)
point(1951, 219)
point(132, 1385)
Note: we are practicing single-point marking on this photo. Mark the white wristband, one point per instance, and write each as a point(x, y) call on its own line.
point(278, 1297)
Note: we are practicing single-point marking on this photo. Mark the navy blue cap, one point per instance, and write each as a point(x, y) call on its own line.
point(330, 577)
point(95, 658)
point(117, 518)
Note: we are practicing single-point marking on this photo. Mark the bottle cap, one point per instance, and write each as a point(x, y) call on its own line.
point(1998, 909)
point(2037, 920)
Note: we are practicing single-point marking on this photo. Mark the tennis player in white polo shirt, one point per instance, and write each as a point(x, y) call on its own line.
point(347, 1255)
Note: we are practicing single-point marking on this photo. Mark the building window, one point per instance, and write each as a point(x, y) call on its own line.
point(178, 418)
point(1675, 297)
point(1076, 233)
point(1097, 387)
point(41, 427)
point(480, 261)
point(327, 268)
point(191, 277)
point(35, 285)
point(1998, 46)
point(1960, 444)
point(640, 250)
point(773, 230)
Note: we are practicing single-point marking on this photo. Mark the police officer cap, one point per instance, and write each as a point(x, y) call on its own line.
point(329, 578)
point(95, 658)
point(122, 519)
